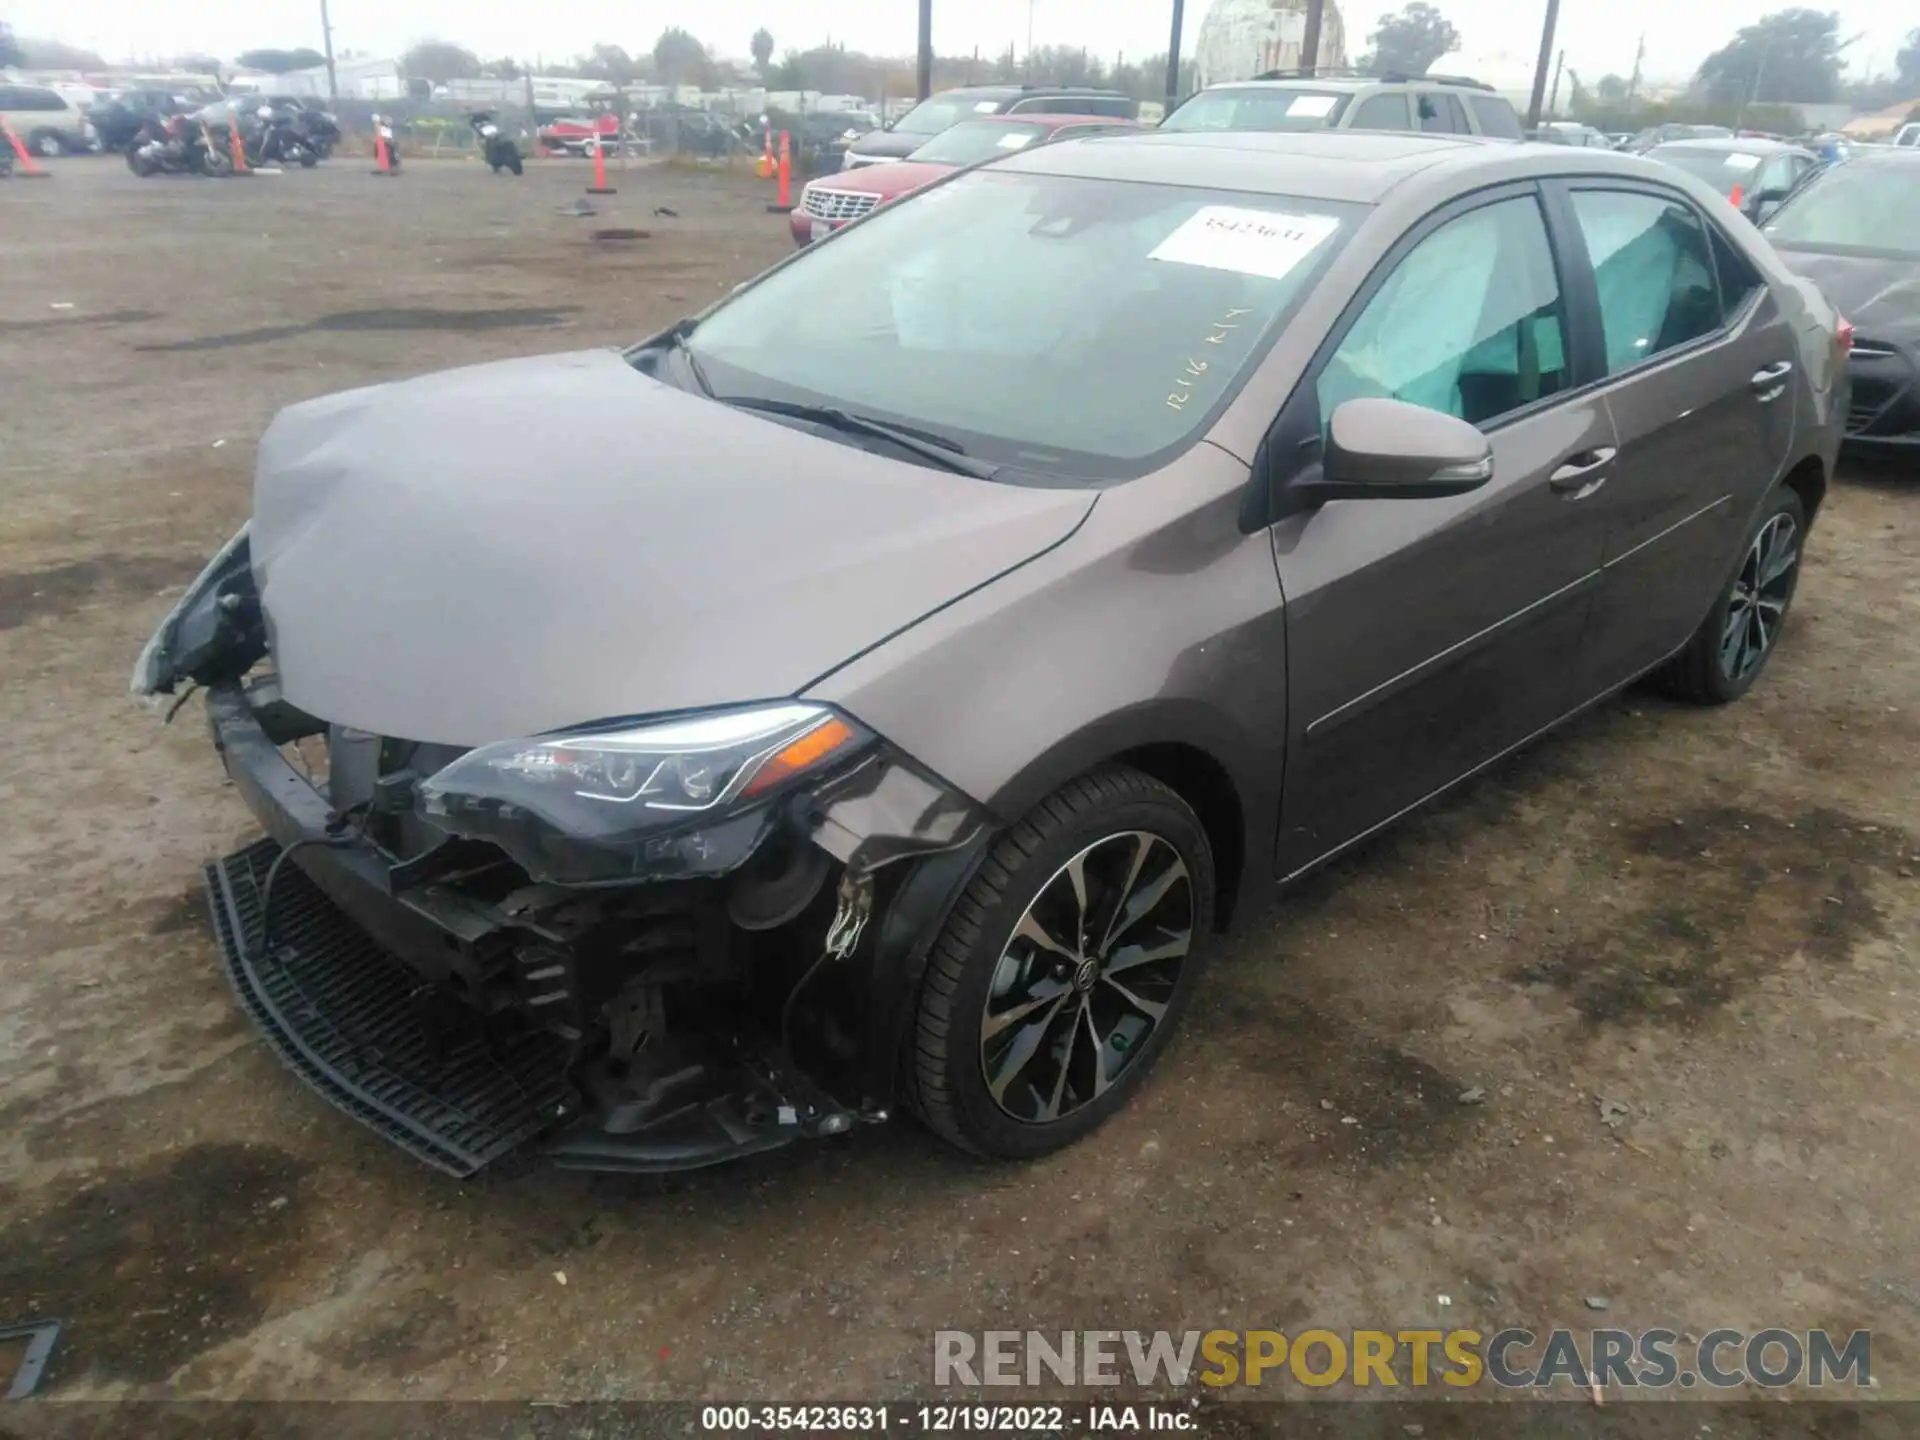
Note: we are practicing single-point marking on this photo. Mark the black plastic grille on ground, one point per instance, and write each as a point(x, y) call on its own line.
point(345, 1017)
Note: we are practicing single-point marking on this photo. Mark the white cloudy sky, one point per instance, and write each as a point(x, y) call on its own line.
point(1599, 35)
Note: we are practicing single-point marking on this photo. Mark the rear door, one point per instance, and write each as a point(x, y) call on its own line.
point(1699, 363)
point(1426, 637)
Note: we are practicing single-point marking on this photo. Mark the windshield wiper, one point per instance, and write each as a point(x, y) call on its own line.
point(677, 342)
point(935, 448)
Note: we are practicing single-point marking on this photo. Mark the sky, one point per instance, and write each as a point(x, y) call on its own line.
point(1598, 35)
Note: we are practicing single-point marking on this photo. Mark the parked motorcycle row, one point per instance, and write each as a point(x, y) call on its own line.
point(202, 142)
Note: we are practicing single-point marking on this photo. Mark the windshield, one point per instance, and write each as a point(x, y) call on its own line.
point(1264, 108)
point(930, 117)
point(1858, 206)
point(1722, 169)
point(1052, 324)
point(972, 141)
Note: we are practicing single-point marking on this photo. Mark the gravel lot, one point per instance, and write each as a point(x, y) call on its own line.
point(1706, 917)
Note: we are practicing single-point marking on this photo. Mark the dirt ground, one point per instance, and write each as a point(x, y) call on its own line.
point(1708, 917)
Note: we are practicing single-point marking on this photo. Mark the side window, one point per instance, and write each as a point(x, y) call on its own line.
point(1440, 113)
point(1496, 117)
point(1382, 112)
point(10, 98)
point(1652, 271)
point(1470, 322)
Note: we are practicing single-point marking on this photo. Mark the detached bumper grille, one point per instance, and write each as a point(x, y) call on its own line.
point(350, 1021)
point(836, 204)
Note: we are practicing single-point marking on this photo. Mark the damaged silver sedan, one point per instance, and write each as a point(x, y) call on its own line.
point(672, 754)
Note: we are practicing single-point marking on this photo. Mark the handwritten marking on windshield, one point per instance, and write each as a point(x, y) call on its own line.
point(1217, 334)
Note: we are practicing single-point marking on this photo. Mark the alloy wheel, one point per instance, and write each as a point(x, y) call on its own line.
point(1760, 595)
point(1087, 976)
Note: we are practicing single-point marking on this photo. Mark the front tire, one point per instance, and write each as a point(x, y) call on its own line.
point(1733, 644)
point(1064, 967)
point(47, 144)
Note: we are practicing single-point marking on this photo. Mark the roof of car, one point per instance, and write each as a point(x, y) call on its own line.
point(1053, 120)
point(1355, 166)
point(1009, 91)
point(1738, 145)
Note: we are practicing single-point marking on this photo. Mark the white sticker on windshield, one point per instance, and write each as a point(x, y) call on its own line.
point(1251, 242)
point(986, 107)
point(1313, 107)
point(1743, 163)
point(1015, 140)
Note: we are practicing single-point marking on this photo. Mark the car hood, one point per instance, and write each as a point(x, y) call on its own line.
point(885, 181)
point(888, 142)
point(513, 548)
point(1879, 294)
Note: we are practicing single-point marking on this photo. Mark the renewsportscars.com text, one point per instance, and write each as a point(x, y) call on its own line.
point(1511, 1359)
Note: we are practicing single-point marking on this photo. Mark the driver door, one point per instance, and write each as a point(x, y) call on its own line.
point(1426, 637)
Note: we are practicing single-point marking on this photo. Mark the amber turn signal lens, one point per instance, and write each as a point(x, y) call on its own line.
point(800, 754)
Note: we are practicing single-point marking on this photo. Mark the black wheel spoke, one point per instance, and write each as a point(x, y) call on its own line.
point(1760, 595)
point(1069, 1013)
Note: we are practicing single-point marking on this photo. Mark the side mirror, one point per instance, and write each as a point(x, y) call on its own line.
point(1380, 449)
point(1763, 203)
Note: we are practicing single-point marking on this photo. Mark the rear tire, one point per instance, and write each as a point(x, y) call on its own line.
point(1008, 1055)
point(1734, 643)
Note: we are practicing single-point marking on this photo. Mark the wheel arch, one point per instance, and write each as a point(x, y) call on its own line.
point(1808, 480)
point(1192, 750)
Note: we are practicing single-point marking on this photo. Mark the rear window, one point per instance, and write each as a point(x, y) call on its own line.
point(1722, 169)
point(29, 97)
point(1259, 108)
point(972, 141)
point(932, 116)
point(1495, 116)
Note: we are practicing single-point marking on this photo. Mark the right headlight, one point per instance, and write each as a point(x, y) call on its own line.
point(674, 797)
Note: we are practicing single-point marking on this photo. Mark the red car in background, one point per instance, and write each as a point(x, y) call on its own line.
point(835, 200)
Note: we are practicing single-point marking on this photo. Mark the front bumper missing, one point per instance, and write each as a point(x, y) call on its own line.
point(352, 1023)
point(429, 1076)
point(350, 992)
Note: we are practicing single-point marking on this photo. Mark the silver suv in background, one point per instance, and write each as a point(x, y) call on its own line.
point(1294, 100)
point(45, 120)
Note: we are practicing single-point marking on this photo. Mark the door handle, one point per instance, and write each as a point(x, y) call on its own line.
point(1768, 383)
point(1582, 474)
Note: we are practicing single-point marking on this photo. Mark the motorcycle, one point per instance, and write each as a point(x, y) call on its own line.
point(495, 148)
point(278, 137)
point(383, 128)
point(178, 145)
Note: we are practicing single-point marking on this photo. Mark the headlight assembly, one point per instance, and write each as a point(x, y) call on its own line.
point(676, 797)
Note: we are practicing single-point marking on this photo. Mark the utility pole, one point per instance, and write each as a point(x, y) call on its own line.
point(1173, 57)
point(1753, 91)
point(1029, 42)
point(1639, 58)
point(925, 78)
point(1310, 42)
point(1553, 100)
point(1540, 66)
point(326, 39)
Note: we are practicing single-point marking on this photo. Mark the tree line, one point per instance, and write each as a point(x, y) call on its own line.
point(1792, 56)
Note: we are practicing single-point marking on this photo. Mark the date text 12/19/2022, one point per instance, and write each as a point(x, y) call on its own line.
point(946, 1419)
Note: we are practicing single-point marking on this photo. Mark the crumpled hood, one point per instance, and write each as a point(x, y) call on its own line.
point(512, 548)
point(1880, 296)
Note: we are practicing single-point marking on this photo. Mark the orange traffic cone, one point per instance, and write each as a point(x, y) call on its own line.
point(1737, 196)
point(599, 186)
point(239, 148)
point(784, 205)
point(383, 164)
point(28, 170)
point(764, 166)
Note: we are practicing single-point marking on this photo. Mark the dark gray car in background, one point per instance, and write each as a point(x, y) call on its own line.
point(669, 754)
point(1854, 230)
